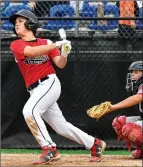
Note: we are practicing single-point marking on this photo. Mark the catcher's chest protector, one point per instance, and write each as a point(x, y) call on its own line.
point(139, 107)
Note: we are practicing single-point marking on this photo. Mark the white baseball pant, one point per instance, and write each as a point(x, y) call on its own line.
point(136, 119)
point(42, 105)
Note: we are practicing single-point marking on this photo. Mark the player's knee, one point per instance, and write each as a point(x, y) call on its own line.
point(133, 133)
point(118, 124)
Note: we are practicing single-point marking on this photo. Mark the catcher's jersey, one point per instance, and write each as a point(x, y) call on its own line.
point(140, 105)
point(33, 68)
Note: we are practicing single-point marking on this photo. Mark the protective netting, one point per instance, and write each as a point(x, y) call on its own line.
point(84, 17)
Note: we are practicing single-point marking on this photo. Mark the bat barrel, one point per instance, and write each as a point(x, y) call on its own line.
point(62, 33)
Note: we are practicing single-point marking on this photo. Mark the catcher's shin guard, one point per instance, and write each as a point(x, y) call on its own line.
point(133, 134)
point(118, 124)
point(49, 154)
point(97, 150)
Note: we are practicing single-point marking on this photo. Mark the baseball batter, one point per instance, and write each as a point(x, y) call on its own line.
point(34, 56)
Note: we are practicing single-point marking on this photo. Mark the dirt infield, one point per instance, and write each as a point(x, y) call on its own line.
point(69, 160)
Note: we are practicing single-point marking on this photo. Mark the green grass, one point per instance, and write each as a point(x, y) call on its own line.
point(38, 151)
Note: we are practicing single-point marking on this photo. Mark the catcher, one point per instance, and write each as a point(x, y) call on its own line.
point(129, 129)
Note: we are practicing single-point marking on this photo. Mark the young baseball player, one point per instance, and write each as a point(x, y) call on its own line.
point(34, 56)
point(131, 128)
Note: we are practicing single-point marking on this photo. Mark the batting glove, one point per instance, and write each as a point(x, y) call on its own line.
point(60, 43)
point(66, 48)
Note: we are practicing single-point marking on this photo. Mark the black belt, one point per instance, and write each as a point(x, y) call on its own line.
point(35, 84)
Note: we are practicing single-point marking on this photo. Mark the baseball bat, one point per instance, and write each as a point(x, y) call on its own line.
point(62, 33)
point(63, 36)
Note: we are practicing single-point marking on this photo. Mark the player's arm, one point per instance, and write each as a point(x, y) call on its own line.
point(34, 51)
point(129, 102)
point(60, 61)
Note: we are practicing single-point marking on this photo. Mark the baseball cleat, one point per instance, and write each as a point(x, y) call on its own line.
point(137, 154)
point(49, 154)
point(97, 150)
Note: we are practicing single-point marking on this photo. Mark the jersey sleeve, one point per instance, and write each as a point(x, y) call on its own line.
point(53, 53)
point(17, 47)
point(140, 90)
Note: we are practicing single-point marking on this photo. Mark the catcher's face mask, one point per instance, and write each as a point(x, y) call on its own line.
point(132, 78)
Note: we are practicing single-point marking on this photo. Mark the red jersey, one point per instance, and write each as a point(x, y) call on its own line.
point(140, 90)
point(33, 68)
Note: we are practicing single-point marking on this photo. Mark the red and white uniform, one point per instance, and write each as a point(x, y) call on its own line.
point(30, 72)
point(42, 103)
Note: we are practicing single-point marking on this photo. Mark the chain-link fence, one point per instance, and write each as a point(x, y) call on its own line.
point(105, 40)
point(84, 17)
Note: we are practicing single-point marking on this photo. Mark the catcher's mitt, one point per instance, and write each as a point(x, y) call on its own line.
point(99, 110)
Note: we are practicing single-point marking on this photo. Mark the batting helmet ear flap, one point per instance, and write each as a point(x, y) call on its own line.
point(32, 25)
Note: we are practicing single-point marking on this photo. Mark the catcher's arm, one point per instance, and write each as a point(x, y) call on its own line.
point(129, 102)
point(99, 110)
point(106, 107)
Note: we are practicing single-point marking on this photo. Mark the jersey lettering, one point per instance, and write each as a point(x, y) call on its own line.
point(36, 60)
